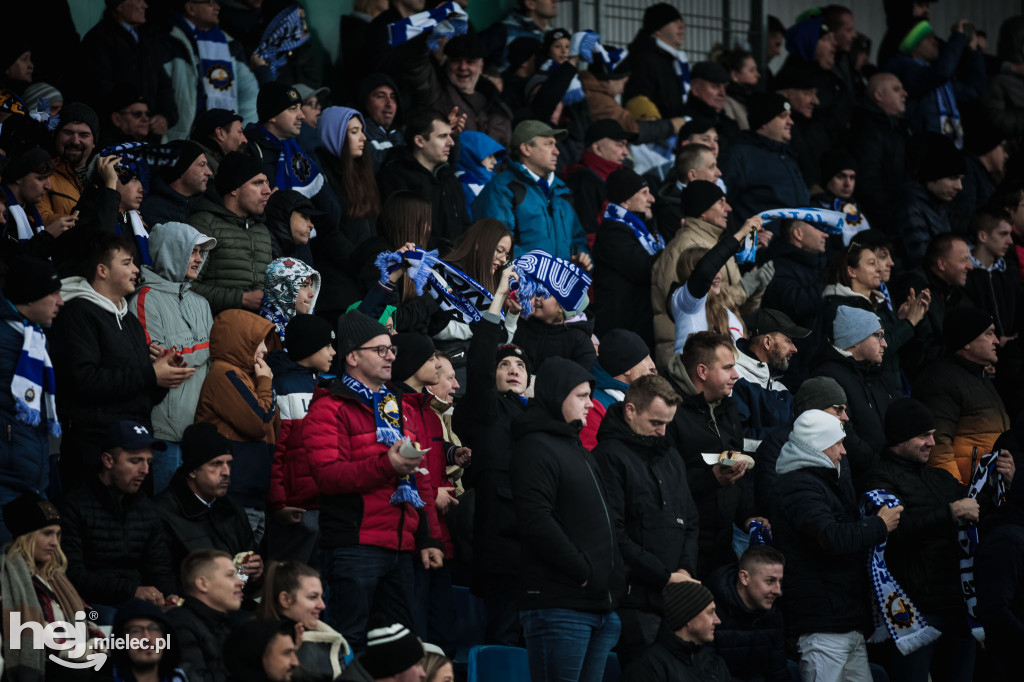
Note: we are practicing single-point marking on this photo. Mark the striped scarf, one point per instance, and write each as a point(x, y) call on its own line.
point(28, 222)
point(216, 70)
point(544, 275)
point(138, 158)
point(832, 222)
point(574, 93)
point(967, 537)
point(895, 615)
point(650, 243)
point(295, 169)
point(285, 32)
point(444, 21)
point(454, 290)
point(33, 386)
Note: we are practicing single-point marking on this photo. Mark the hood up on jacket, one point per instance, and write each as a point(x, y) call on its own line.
point(1011, 40)
point(796, 454)
point(171, 246)
point(285, 276)
point(139, 609)
point(475, 148)
point(277, 216)
point(333, 127)
point(245, 646)
point(235, 336)
point(802, 38)
point(677, 372)
point(78, 287)
point(555, 380)
point(371, 83)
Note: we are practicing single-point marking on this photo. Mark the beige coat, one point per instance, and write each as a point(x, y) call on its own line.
point(696, 233)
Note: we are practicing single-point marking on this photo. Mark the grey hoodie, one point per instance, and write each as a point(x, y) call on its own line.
point(796, 454)
point(173, 315)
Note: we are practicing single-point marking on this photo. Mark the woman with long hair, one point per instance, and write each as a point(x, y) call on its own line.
point(700, 304)
point(34, 584)
point(293, 590)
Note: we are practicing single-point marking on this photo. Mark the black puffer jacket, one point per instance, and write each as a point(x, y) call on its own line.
point(699, 427)
point(201, 633)
point(750, 641)
point(826, 545)
point(867, 394)
point(114, 543)
point(922, 553)
point(483, 420)
point(654, 514)
point(191, 525)
point(440, 187)
point(670, 659)
point(564, 521)
point(622, 292)
point(654, 76)
point(541, 341)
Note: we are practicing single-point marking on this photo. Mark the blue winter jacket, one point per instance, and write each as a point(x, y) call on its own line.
point(762, 173)
point(539, 221)
point(475, 147)
point(24, 449)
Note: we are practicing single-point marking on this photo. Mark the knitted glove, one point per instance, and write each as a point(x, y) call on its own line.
point(582, 45)
point(757, 279)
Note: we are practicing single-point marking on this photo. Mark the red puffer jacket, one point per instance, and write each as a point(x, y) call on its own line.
point(428, 425)
point(355, 476)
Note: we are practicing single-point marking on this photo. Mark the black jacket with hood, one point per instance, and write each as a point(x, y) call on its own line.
point(570, 556)
point(654, 514)
point(119, 665)
point(702, 427)
point(868, 394)
point(383, 141)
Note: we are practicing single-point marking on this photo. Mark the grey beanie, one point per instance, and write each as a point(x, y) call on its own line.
point(819, 393)
point(853, 325)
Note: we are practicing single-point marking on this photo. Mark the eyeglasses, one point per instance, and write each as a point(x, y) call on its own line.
point(139, 630)
point(880, 336)
point(382, 351)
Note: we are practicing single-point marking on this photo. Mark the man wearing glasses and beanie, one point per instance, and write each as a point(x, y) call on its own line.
point(371, 515)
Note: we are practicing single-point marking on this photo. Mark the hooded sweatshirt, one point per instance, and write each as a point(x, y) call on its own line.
point(380, 141)
point(173, 315)
point(471, 171)
point(101, 361)
point(285, 277)
point(243, 406)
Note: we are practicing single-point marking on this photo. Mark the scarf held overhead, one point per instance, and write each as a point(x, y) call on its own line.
point(388, 416)
point(967, 537)
point(286, 32)
point(445, 21)
point(454, 290)
point(895, 615)
point(544, 275)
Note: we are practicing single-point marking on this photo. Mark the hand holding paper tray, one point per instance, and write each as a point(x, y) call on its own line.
point(410, 451)
point(727, 458)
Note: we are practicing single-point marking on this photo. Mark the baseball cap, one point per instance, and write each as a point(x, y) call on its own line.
point(771, 321)
point(606, 127)
point(129, 435)
point(527, 130)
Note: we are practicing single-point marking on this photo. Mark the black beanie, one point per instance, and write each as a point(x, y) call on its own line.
point(76, 112)
point(682, 602)
point(515, 351)
point(762, 107)
point(905, 419)
point(188, 152)
point(834, 161)
point(413, 351)
point(273, 98)
point(699, 196)
point(521, 49)
point(657, 16)
point(622, 184)
point(235, 170)
point(30, 279)
point(941, 159)
point(307, 334)
point(29, 161)
point(621, 350)
point(355, 329)
point(200, 443)
point(962, 325)
point(390, 650)
point(29, 513)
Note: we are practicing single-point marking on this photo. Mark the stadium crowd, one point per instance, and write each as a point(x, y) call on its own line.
point(713, 367)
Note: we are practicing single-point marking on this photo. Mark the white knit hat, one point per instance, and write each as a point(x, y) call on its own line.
point(818, 430)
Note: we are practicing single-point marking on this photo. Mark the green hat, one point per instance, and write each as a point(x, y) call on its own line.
point(527, 130)
point(915, 37)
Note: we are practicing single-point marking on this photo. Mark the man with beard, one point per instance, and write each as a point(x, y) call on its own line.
point(762, 401)
point(75, 140)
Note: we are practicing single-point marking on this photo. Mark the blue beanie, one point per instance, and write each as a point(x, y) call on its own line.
point(853, 325)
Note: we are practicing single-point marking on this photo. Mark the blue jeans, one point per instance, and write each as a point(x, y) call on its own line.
point(568, 646)
point(362, 580)
point(164, 465)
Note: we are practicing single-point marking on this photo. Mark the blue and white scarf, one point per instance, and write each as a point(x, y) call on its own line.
point(967, 537)
point(854, 220)
point(650, 243)
point(832, 222)
point(27, 221)
point(141, 235)
point(444, 21)
point(295, 169)
point(216, 70)
point(544, 275)
point(574, 93)
point(611, 58)
point(454, 290)
point(759, 535)
point(681, 65)
point(748, 249)
point(895, 615)
point(950, 123)
point(33, 386)
point(283, 34)
point(387, 413)
point(138, 158)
